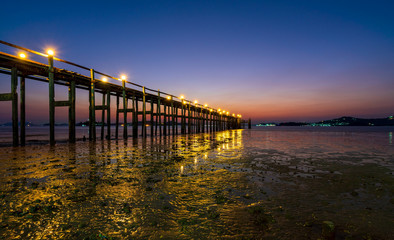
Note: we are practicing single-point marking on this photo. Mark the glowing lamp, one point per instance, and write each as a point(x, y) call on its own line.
point(22, 55)
point(206, 105)
point(182, 97)
point(123, 77)
point(104, 79)
point(50, 52)
point(169, 97)
point(195, 101)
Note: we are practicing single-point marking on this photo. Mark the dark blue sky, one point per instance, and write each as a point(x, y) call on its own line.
point(269, 60)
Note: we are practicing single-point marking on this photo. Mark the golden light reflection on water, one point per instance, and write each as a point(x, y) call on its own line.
point(204, 186)
point(172, 187)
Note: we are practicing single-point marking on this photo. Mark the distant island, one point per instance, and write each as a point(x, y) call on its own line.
point(342, 121)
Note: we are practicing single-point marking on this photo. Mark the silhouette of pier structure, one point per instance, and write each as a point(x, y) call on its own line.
point(164, 113)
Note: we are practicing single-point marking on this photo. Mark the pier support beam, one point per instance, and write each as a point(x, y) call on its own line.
point(71, 111)
point(14, 95)
point(125, 134)
point(23, 110)
point(135, 117)
point(151, 117)
point(117, 117)
point(108, 114)
point(51, 101)
point(143, 112)
point(92, 110)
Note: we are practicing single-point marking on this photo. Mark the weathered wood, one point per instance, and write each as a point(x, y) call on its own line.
point(174, 123)
point(23, 110)
point(135, 117)
point(92, 107)
point(125, 101)
point(159, 111)
point(165, 116)
point(108, 114)
point(151, 117)
point(103, 108)
point(117, 117)
point(6, 96)
point(62, 103)
point(143, 112)
point(71, 112)
point(189, 120)
point(14, 85)
point(127, 110)
point(51, 101)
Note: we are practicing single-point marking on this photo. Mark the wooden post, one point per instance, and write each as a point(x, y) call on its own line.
point(71, 111)
point(250, 123)
point(117, 117)
point(135, 117)
point(159, 112)
point(14, 94)
point(92, 108)
point(143, 112)
point(108, 114)
point(124, 110)
point(51, 101)
point(174, 124)
point(151, 117)
point(183, 130)
point(211, 121)
point(164, 119)
point(189, 118)
point(23, 110)
point(102, 116)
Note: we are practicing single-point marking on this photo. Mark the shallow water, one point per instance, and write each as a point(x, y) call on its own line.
point(267, 183)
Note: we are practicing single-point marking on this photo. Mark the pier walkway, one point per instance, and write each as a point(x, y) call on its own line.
point(163, 112)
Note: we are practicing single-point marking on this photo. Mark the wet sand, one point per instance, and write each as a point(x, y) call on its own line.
point(240, 184)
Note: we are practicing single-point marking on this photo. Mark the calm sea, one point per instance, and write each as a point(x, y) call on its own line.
point(263, 183)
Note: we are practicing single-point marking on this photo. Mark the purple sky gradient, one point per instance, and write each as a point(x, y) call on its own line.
point(268, 60)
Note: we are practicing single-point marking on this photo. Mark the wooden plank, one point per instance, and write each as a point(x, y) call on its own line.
point(5, 96)
point(101, 107)
point(62, 103)
point(127, 110)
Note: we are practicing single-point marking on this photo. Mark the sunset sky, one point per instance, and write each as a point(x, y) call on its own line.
point(267, 60)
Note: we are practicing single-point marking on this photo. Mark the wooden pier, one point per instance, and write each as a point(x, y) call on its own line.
point(161, 111)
